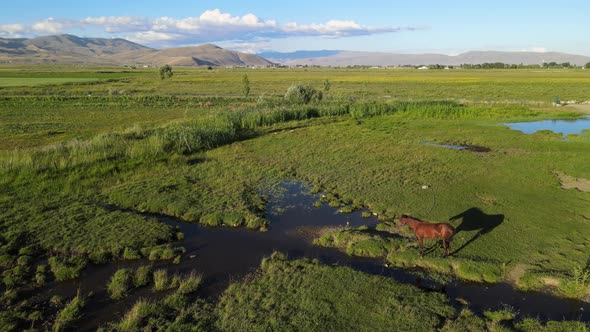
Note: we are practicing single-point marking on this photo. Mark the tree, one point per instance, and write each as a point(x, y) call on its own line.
point(327, 85)
point(166, 72)
point(245, 86)
point(587, 66)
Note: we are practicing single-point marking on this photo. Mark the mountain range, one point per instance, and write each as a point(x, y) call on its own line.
point(69, 49)
point(350, 58)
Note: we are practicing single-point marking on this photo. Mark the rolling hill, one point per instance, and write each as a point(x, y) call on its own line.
point(203, 55)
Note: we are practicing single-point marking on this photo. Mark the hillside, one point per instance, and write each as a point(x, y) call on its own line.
point(65, 49)
point(204, 55)
point(69, 49)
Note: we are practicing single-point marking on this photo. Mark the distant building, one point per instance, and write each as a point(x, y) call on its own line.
point(423, 68)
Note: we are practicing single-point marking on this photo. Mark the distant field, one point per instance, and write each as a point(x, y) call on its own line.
point(98, 99)
point(32, 81)
point(476, 85)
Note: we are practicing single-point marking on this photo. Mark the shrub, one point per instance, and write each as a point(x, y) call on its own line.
point(119, 284)
point(166, 72)
point(466, 321)
point(130, 253)
point(66, 269)
point(132, 320)
point(233, 219)
point(16, 276)
point(302, 94)
point(162, 252)
point(40, 277)
point(160, 280)
point(212, 219)
point(142, 276)
point(255, 222)
point(497, 316)
point(99, 257)
point(346, 209)
point(71, 313)
point(190, 283)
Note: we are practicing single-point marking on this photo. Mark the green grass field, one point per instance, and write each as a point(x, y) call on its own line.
point(82, 162)
point(14, 81)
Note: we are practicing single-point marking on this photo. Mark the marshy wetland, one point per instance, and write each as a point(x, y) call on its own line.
point(127, 202)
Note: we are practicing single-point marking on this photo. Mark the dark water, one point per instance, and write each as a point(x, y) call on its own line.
point(564, 127)
point(223, 255)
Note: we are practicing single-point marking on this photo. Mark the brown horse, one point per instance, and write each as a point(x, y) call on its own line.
point(427, 230)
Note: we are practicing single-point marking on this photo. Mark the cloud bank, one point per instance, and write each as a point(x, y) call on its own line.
point(210, 26)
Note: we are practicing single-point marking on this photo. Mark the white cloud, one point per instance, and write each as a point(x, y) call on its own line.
point(52, 25)
point(216, 18)
point(535, 49)
point(252, 47)
point(114, 24)
point(210, 26)
point(13, 29)
point(149, 37)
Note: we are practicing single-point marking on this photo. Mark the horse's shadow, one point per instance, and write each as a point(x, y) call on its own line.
point(475, 219)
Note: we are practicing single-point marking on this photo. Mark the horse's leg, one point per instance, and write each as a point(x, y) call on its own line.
point(445, 247)
point(421, 243)
point(449, 245)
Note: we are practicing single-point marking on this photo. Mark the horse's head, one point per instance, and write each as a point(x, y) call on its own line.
point(402, 220)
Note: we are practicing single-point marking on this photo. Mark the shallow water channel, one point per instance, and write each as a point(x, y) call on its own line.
point(223, 255)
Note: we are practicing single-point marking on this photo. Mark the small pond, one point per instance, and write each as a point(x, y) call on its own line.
point(564, 127)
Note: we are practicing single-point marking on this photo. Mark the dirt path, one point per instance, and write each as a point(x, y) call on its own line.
point(580, 108)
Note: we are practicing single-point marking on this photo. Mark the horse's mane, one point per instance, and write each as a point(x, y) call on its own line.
point(410, 217)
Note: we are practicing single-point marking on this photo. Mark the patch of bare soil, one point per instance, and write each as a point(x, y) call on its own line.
point(570, 182)
point(582, 108)
point(516, 273)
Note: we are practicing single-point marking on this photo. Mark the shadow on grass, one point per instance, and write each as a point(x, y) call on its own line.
point(475, 219)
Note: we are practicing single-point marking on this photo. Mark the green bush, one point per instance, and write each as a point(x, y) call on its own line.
point(346, 209)
point(99, 257)
point(233, 219)
point(467, 321)
point(212, 219)
point(190, 283)
point(132, 320)
point(142, 276)
point(302, 94)
point(40, 275)
point(497, 316)
point(70, 314)
point(68, 268)
point(120, 284)
point(130, 253)
point(161, 280)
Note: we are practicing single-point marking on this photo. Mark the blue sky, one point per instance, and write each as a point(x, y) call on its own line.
point(421, 26)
